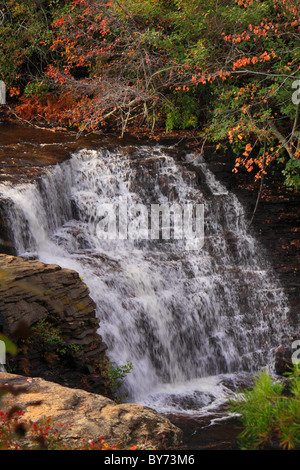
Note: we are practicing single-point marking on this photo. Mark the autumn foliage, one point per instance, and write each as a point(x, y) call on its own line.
point(227, 69)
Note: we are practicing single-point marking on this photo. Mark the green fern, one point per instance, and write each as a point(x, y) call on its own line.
point(270, 412)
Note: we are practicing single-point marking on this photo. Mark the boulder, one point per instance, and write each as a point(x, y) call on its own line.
point(83, 417)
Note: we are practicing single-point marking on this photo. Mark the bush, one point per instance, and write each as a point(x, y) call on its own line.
point(114, 376)
point(47, 337)
point(270, 412)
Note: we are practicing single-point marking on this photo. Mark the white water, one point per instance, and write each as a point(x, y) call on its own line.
point(184, 319)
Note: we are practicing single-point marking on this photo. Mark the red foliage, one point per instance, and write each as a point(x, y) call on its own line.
point(51, 107)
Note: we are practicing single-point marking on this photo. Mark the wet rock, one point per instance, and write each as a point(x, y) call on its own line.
point(283, 359)
point(6, 238)
point(276, 228)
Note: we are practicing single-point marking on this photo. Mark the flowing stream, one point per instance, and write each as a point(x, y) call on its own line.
point(189, 320)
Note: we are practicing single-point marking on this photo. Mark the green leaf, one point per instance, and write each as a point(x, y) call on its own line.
point(10, 347)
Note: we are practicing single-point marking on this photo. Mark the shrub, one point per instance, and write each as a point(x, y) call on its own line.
point(270, 412)
point(115, 375)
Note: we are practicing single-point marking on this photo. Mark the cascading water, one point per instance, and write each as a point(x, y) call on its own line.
point(183, 318)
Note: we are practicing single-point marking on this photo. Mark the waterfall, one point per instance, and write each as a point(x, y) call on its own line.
point(183, 318)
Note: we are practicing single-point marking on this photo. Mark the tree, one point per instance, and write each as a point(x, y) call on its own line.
point(229, 67)
point(25, 39)
point(253, 85)
point(121, 58)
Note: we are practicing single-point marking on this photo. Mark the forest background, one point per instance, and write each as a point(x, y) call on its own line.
point(227, 70)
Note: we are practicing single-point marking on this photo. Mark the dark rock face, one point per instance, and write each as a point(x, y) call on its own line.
point(6, 238)
point(33, 293)
point(276, 224)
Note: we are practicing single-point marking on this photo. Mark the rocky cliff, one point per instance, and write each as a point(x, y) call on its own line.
point(48, 313)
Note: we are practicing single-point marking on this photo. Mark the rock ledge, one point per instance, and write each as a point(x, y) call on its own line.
point(32, 292)
point(89, 416)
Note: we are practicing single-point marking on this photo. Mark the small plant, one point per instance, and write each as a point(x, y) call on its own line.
point(48, 337)
point(36, 88)
point(114, 375)
point(270, 412)
point(17, 433)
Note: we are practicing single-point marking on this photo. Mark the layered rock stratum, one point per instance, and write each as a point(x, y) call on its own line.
point(33, 293)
